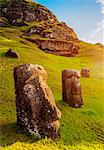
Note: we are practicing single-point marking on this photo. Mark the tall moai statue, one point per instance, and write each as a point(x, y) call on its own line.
point(35, 104)
point(71, 88)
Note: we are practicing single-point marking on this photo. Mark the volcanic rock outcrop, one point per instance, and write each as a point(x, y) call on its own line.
point(58, 47)
point(71, 88)
point(52, 36)
point(54, 31)
point(35, 104)
point(19, 11)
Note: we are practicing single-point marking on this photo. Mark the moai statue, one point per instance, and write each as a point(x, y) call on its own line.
point(85, 72)
point(35, 104)
point(71, 88)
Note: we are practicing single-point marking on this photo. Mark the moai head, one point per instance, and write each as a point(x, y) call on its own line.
point(71, 88)
point(85, 72)
point(37, 72)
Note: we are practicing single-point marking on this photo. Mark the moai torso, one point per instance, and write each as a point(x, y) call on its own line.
point(71, 88)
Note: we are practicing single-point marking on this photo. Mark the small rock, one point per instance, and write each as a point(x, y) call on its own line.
point(85, 72)
point(11, 53)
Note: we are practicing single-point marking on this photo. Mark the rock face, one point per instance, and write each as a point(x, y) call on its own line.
point(71, 88)
point(11, 53)
point(59, 31)
point(85, 72)
point(59, 39)
point(52, 36)
point(19, 11)
point(35, 104)
point(62, 48)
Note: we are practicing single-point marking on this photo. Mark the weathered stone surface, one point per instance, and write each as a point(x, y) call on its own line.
point(85, 72)
point(63, 48)
point(72, 33)
point(35, 104)
point(35, 30)
point(60, 31)
point(71, 88)
point(19, 11)
point(51, 35)
point(54, 31)
point(11, 53)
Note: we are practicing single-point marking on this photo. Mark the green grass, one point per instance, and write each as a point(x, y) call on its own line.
point(81, 129)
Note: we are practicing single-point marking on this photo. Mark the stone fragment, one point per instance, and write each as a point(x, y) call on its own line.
point(85, 72)
point(11, 53)
point(71, 88)
point(35, 104)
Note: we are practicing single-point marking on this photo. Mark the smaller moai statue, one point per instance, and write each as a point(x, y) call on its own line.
point(71, 88)
point(85, 72)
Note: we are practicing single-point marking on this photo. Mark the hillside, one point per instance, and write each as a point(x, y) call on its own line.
point(45, 30)
point(81, 129)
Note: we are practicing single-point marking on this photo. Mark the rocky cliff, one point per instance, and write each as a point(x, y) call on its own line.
point(58, 47)
point(20, 11)
point(53, 35)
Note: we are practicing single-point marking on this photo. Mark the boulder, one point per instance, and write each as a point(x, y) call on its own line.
point(60, 31)
point(54, 31)
point(71, 88)
point(35, 104)
point(11, 53)
point(85, 72)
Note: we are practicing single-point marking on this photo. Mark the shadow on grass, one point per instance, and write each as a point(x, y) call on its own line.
point(10, 134)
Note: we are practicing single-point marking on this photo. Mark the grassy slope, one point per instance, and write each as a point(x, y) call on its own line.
point(81, 129)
